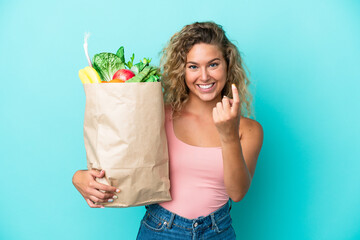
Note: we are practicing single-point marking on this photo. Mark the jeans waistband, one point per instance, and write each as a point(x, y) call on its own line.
point(170, 218)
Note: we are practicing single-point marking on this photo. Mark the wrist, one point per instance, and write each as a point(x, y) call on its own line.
point(228, 139)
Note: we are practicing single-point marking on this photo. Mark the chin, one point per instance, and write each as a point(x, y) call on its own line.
point(207, 98)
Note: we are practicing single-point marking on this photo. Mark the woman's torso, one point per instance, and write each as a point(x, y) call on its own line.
point(196, 173)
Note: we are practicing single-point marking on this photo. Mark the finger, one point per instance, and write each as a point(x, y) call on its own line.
point(226, 104)
point(102, 196)
point(101, 174)
point(220, 110)
point(97, 173)
point(97, 201)
point(104, 187)
point(236, 100)
point(92, 204)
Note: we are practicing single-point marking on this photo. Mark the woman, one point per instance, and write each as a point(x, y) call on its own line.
point(213, 149)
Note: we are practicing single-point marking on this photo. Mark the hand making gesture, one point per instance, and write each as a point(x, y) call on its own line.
point(226, 116)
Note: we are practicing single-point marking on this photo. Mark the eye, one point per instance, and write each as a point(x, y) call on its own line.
point(192, 66)
point(214, 64)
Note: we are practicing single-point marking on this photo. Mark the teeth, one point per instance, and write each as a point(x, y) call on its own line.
point(206, 86)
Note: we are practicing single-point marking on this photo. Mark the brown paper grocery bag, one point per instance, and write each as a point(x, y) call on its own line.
point(124, 134)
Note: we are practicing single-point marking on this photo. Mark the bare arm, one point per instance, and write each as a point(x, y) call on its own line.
point(240, 158)
point(239, 154)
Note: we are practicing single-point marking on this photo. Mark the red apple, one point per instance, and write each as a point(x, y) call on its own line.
point(123, 74)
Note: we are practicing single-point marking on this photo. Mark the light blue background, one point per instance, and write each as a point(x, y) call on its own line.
point(304, 60)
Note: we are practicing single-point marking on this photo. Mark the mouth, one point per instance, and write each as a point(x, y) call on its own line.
point(205, 87)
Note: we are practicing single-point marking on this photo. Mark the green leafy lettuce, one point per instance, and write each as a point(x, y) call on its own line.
point(106, 64)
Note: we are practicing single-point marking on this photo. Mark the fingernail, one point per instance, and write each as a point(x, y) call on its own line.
point(110, 200)
point(115, 197)
point(233, 85)
point(101, 171)
point(102, 207)
point(117, 190)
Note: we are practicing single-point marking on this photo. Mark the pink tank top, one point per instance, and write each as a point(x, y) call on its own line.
point(196, 177)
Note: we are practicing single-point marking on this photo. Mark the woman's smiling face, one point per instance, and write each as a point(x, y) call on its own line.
point(205, 72)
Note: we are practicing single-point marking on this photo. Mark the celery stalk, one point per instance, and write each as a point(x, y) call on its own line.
point(87, 35)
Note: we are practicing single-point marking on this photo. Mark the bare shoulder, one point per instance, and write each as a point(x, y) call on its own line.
point(250, 128)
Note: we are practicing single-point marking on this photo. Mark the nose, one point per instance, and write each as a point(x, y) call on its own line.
point(204, 74)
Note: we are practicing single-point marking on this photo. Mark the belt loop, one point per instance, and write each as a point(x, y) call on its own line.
point(214, 226)
point(171, 220)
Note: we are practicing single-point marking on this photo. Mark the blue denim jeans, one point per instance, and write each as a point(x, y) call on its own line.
point(159, 223)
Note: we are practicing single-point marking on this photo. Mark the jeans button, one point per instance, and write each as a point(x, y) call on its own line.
point(195, 224)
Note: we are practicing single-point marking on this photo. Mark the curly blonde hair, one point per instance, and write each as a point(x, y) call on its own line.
point(173, 61)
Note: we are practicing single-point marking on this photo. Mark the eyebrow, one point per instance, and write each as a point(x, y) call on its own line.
point(207, 62)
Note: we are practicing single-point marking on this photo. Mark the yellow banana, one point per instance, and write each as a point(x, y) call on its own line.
point(89, 75)
point(83, 76)
point(92, 75)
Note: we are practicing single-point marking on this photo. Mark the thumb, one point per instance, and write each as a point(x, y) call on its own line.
point(97, 173)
